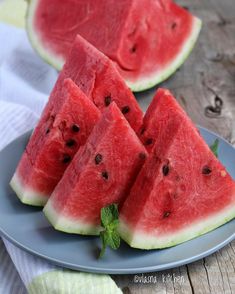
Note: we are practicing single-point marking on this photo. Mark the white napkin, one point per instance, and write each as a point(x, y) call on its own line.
point(25, 84)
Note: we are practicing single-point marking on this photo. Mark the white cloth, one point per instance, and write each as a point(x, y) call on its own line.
point(27, 265)
point(25, 84)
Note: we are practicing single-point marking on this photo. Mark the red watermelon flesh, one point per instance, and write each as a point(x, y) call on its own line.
point(65, 124)
point(182, 191)
point(155, 118)
point(147, 39)
point(101, 173)
point(98, 78)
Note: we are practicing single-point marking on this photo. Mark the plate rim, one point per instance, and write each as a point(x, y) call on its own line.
point(120, 271)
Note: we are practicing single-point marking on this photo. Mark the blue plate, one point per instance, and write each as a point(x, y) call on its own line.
point(27, 228)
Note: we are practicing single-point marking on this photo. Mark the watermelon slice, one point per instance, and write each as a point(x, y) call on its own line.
point(101, 173)
point(64, 126)
point(98, 78)
point(147, 39)
point(182, 191)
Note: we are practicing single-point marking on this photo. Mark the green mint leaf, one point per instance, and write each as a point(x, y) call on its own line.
point(114, 224)
point(214, 147)
point(114, 209)
point(109, 221)
point(108, 214)
point(114, 240)
point(104, 243)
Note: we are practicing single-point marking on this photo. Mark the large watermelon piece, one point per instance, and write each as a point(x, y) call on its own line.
point(102, 172)
point(64, 126)
point(97, 77)
point(182, 191)
point(148, 39)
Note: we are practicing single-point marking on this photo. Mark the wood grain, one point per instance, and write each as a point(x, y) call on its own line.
point(206, 78)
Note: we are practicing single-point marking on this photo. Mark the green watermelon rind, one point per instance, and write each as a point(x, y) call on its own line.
point(36, 43)
point(145, 82)
point(157, 78)
point(69, 225)
point(26, 195)
point(142, 240)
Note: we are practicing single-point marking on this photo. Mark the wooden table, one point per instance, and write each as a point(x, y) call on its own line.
point(207, 78)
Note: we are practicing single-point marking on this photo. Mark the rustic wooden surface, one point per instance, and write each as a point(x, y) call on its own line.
point(207, 79)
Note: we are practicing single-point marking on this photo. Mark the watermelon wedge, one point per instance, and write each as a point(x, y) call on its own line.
point(98, 78)
point(101, 173)
point(148, 39)
point(64, 126)
point(182, 191)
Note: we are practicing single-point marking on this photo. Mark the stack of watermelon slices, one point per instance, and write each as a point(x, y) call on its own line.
point(92, 148)
point(88, 84)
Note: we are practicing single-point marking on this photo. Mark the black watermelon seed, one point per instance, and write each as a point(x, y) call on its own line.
point(47, 131)
point(107, 100)
point(165, 170)
point(75, 128)
point(125, 109)
point(105, 175)
point(66, 158)
point(173, 26)
point(206, 170)
point(166, 214)
point(134, 48)
point(142, 131)
point(149, 141)
point(142, 155)
point(98, 158)
point(70, 143)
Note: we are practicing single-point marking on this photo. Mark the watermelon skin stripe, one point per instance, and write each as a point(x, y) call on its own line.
point(55, 62)
point(26, 195)
point(142, 240)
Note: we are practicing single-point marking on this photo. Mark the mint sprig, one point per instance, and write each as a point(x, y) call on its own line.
point(109, 221)
point(214, 147)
